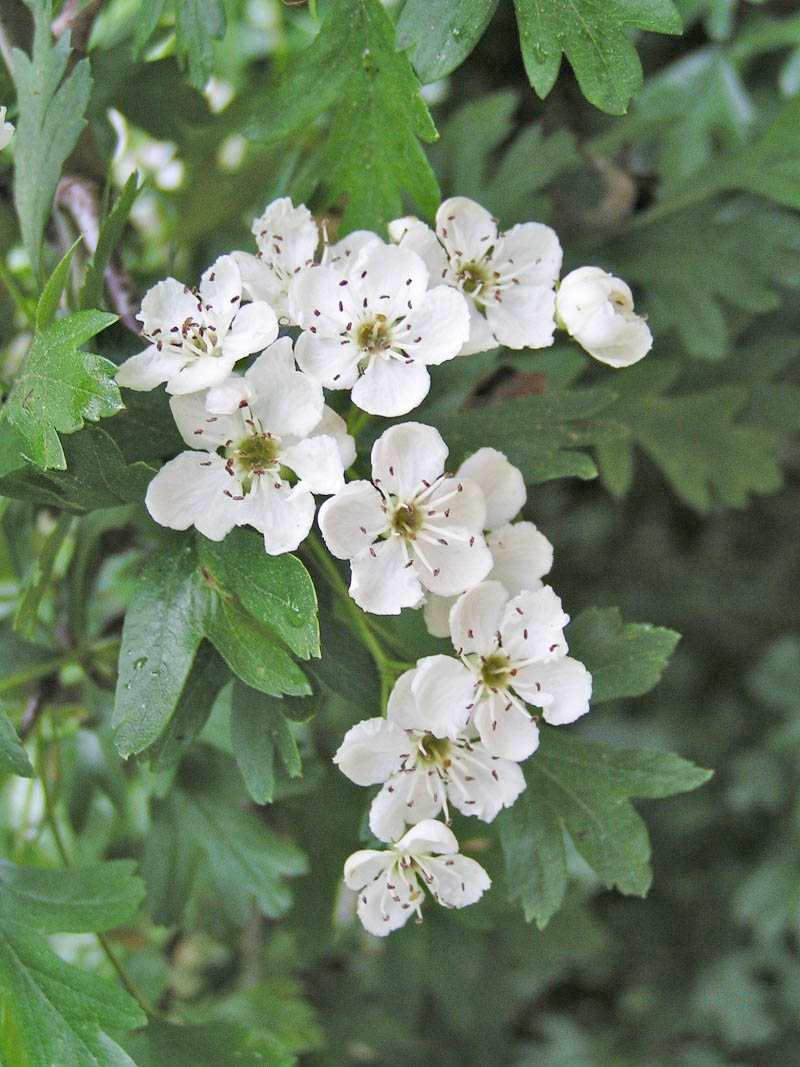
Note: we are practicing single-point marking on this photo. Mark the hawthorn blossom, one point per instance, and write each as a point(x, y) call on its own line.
point(258, 465)
point(508, 278)
point(521, 555)
point(6, 129)
point(387, 882)
point(424, 754)
point(197, 335)
point(596, 309)
point(414, 528)
point(371, 324)
point(516, 651)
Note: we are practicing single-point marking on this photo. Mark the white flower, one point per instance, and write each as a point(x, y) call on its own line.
point(507, 277)
point(197, 336)
point(516, 650)
point(597, 310)
point(424, 754)
point(137, 151)
point(387, 882)
point(372, 324)
point(521, 555)
point(6, 129)
point(287, 239)
point(416, 528)
point(258, 465)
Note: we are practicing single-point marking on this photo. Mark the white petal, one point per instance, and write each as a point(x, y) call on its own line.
point(407, 456)
point(437, 614)
point(201, 429)
point(286, 234)
point(458, 882)
point(321, 297)
point(530, 252)
point(502, 484)
point(465, 228)
point(352, 520)
point(382, 910)
point(277, 358)
point(192, 490)
point(380, 581)
point(506, 731)
point(521, 554)
point(406, 798)
point(391, 387)
point(460, 564)
point(259, 282)
point(524, 316)
point(597, 310)
point(561, 687)
point(201, 373)
point(221, 292)
point(317, 463)
point(456, 503)
point(533, 625)
point(486, 783)
point(148, 369)
point(169, 303)
point(334, 426)
point(327, 359)
point(475, 618)
point(235, 392)
point(481, 338)
point(401, 706)
point(428, 836)
point(284, 518)
point(438, 327)
point(365, 866)
point(444, 692)
point(338, 255)
point(292, 405)
point(254, 327)
point(410, 232)
point(370, 751)
point(392, 280)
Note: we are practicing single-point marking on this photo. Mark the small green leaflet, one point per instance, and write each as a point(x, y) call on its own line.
point(51, 294)
point(710, 459)
point(585, 788)
point(260, 732)
point(440, 36)
point(371, 153)
point(50, 121)
point(58, 386)
point(625, 659)
point(203, 839)
point(594, 36)
point(544, 434)
point(56, 1010)
point(111, 232)
point(13, 757)
point(186, 595)
point(197, 23)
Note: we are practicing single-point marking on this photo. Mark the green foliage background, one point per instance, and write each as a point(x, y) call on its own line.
point(669, 490)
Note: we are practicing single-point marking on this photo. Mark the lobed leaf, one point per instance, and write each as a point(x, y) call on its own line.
point(440, 36)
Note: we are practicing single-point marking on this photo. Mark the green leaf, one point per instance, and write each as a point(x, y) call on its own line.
point(54, 1010)
point(585, 788)
point(13, 757)
point(77, 900)
point(147, 17)
point(50, 121)
point(710, 459)
point(371, 153)
point(111, 232)
point(209, 1045)
point(275, 590)
point(57, 1010)
point(259, 731)
point(625, 659)
point(51, 294)
point(160, 637)
point(542, 433)
point(97, 476)
point(440, 36)
point(41, 577)
point(58, 386)
point(197, 23)
point(595, 39)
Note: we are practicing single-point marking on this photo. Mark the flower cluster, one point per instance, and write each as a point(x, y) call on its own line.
point(371, 316)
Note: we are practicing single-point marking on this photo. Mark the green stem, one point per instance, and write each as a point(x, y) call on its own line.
point(52, 822)
point(359, 619)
